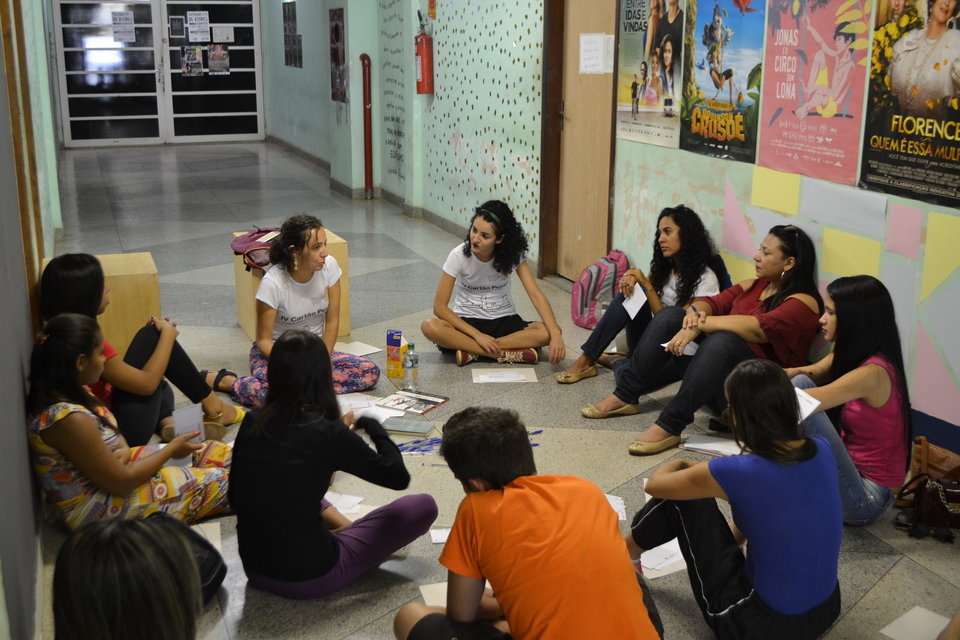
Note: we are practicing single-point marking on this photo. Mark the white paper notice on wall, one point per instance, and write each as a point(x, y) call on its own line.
point(609, 51)
point(591, 52)
point(222, 34)
point(123, 29)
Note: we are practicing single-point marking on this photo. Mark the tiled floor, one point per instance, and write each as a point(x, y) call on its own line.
point(182, 203)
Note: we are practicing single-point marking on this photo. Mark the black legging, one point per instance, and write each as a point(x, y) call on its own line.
point(138, 416)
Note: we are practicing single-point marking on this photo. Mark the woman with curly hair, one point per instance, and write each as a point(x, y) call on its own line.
point(484, 320)
point(685, 266)
point(302, 291)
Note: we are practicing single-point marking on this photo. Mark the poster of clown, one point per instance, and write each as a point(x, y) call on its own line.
point(720, 98)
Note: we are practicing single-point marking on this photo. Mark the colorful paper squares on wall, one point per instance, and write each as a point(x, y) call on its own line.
point(942, 256)
point(905, 230)
point(845, 254)
point(736, 235)
point(941, 318)
point(842, 206)
point(934, 390)
point(738, 268)
point(776, 190)
point(901, 282)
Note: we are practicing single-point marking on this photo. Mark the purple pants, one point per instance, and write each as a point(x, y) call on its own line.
point(363, 546)
point(350, 374)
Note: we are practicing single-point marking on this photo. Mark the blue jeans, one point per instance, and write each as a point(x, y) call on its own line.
point(703, 374)
point(864, 501)
point(612, 322)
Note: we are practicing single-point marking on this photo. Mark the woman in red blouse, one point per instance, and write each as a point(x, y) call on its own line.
point(773, 317)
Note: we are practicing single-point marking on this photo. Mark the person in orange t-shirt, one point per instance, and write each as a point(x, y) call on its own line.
point(550, 547)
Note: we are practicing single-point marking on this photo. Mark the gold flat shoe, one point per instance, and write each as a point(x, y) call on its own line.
point(591, 411)
point(569, 378)
point(650, 448)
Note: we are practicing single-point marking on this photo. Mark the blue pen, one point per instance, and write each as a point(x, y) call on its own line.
point(535, 433)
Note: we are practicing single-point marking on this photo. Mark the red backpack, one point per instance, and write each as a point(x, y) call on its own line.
point(254, 246)
point(596, 282)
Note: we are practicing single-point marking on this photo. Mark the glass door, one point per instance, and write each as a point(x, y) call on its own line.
point(140, 71)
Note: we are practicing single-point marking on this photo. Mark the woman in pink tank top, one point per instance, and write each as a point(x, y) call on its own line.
point(862, 389)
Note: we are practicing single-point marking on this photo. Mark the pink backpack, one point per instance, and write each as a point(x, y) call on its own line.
point(254, 246)
point(596, 282)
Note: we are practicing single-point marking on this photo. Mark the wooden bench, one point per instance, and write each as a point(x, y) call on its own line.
point(134, 296)
point(247, 283)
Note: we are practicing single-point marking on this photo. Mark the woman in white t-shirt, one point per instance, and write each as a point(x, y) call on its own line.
point(484, 320)
point(685, 266)
point(302, 291)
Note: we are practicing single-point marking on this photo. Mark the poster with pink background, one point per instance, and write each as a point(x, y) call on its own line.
point(813, 76)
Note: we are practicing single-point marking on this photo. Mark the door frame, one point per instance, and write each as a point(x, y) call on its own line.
point(554, 21)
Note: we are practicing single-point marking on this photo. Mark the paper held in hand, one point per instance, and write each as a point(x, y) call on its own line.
point(187, 420)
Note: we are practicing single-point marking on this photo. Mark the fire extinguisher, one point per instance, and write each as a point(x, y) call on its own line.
point(424, 58)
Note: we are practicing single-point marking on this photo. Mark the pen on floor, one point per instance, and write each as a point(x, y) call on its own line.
point(432, 464)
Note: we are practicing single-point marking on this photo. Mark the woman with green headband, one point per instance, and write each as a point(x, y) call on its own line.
point(484, 320)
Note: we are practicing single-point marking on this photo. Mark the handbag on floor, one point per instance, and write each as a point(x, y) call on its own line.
point(210, 563)
point(936, 500)
point(930, 459)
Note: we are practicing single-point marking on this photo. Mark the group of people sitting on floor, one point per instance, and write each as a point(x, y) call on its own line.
point(549, 546)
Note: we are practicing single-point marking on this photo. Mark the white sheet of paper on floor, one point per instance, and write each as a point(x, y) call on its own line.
point(808, 404)
point(354, 401)
point(711, 445)
point(662, 556)
point(210, 531)
point(187, 420)
point(634, 303)
point(916, 624)
point(361, 510)
point(618, 505)
point(688, 350)
point(439, 536)
point(356, 348)
point(504, 375)
point(343, 502)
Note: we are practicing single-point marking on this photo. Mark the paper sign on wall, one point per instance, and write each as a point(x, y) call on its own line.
point(198, 26)
point(123, 29)
point(591, 52)
point(222, 34)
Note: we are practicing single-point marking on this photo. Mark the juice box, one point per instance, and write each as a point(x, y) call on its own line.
point(396, 349)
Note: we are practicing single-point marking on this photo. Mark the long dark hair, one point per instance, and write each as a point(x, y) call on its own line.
point(696, 249)
point(300, 378)
point(53, 363)
point(508, 253)
point(71, 283)
point(794, 243)
point(126, 579)
point(867, 326)
point(294, 232)
point(764, 412)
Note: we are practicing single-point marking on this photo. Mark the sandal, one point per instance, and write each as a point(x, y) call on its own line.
point(240, 415)
point(223, 373)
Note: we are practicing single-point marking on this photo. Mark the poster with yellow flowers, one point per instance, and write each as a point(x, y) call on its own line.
point(912, 134)
point(814, 67)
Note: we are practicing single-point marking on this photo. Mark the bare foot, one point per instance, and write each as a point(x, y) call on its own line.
point(653, 434)
point(580, 365)
point(226, 383)
point(610, 403)
point(607, 359)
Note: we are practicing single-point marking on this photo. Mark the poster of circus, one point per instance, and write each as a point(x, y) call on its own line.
point(814, 66)
point(721, 80)
point(911, 143)
point(648, 71)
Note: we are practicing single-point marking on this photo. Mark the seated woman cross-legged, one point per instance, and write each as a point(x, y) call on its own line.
point(301, 291)
point(785, 502)
point(292, 541)
point(685, 266)
point(773, 317)
point(84, 464)
point(863, 382)
point(484, 320)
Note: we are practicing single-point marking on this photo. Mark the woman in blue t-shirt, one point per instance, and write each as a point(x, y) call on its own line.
point(784, 499)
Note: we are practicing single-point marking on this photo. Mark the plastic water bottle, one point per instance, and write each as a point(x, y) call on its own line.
point(411, 364)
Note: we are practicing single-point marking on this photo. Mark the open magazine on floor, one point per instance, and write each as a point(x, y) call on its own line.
point(413, 401)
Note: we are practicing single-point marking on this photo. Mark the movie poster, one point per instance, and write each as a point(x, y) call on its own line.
point(814, 66)
point(911, 143)
point(649, 70)
point(720, 101)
